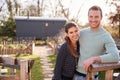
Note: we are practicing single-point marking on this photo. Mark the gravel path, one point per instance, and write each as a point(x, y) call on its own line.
point(43, 52)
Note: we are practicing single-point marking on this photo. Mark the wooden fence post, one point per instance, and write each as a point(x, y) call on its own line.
point(109, 75)
point(23, 69)
point(33, 47)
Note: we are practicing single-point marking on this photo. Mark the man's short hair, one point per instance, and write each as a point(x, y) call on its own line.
point(97, 8)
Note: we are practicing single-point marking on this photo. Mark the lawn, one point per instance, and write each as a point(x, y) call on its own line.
point(52, 59)
point(36, 71)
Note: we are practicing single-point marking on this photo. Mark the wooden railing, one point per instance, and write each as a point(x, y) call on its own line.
point(107, 67)
point(14, 64)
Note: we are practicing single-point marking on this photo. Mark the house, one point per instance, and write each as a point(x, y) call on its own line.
point(38, 27)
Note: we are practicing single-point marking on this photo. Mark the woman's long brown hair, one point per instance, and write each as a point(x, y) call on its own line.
point(69, 44)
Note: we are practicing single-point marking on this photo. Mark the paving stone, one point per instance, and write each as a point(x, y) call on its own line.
point(44, 52)
point(48, 79)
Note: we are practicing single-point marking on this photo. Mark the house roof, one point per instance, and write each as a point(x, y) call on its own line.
point(38, 18)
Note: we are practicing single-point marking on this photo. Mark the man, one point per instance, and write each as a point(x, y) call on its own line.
point(96, 45)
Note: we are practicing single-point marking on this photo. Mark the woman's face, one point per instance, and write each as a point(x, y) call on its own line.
point(73, 34)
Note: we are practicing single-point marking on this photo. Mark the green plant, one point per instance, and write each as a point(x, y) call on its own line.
point(8, 28)
point(52, 59)
point(11, 46)
point(39, 42)
point(101, 75)
point(36, 71)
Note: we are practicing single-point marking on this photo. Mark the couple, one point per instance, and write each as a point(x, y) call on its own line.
point(73, 60)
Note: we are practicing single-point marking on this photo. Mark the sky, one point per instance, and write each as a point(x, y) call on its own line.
point(74, 6)
point(86, 5)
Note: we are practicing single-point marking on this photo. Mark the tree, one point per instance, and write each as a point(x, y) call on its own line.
point(1, 7)
point(17, 6)
point(8, 28)
point(32, 10)
point(58, 8)
point(9, 6)
point(115, 18)
point(12, 7)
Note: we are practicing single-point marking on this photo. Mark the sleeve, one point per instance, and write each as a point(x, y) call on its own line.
point(59, 63)
point(111, 50)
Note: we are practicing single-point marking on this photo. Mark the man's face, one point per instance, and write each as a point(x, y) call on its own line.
point(94, 17)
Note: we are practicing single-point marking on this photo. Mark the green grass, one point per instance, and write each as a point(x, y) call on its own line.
point(36, 71)
point(52, 59)
point(101, 75)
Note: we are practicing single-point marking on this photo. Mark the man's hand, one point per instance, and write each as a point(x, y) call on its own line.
point(90, 61)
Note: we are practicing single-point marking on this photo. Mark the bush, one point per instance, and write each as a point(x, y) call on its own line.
point(8, 28)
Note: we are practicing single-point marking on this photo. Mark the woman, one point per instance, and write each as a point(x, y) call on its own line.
point(68, 54)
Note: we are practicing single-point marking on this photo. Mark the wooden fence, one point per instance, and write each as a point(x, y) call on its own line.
point(23, 65)
point(18, 46)
point(107, 67)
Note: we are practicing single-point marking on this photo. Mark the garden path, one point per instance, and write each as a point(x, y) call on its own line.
point(43, 52)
